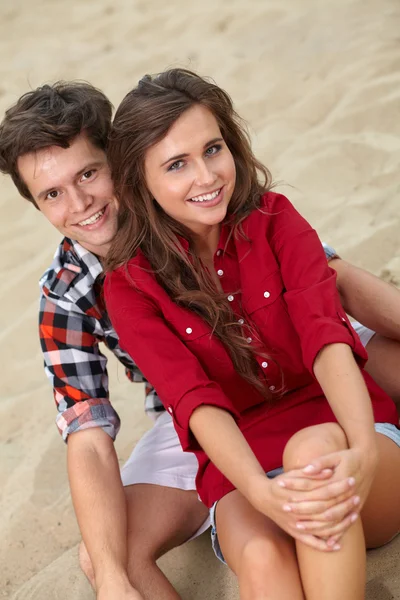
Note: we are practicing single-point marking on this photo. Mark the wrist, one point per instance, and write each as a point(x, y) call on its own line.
point(258, 491)
point(368, 452)
point(366, 442)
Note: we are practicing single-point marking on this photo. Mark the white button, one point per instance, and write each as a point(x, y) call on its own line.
point(220, 272)
point(249, 340)
point(241, 321)
point(272, 387)
point(219, 252)
point(264, 364)
point(169, 409)
point(266, 294)
point(230, 298)
point(189, 330)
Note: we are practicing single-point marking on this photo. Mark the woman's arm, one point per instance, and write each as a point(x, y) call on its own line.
point(221, 439)
point(343, 385)
point(223, 442)
point(328, 343)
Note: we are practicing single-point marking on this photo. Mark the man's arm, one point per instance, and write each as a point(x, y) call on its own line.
point(87, 421)
point(100, 505)
point(368, 299)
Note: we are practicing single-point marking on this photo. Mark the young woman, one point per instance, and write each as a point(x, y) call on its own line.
point(221, 292)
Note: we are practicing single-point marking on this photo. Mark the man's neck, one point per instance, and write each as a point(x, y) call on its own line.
point(99, 251)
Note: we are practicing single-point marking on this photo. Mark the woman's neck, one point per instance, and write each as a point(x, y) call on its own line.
point(206, 245)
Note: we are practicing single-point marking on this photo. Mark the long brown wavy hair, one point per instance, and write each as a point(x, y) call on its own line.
point(143, 119)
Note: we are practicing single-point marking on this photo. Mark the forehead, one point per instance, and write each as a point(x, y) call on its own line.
point(194, 128)
point(53, 165)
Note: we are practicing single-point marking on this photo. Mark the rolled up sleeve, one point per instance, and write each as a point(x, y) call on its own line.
point(77, 371)
point(175, 372)
point(311, 294)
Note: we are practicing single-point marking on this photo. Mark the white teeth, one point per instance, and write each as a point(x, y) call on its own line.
point(93, 218)
point(206, 197)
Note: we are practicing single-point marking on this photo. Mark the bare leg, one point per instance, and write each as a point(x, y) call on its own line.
point(383, 365)
point(335, 575)
point(381, 514)
point(261, 555)
point(159, 519)
point(373, 302)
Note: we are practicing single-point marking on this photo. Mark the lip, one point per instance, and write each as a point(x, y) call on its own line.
point(210, 203)
point(98, 223)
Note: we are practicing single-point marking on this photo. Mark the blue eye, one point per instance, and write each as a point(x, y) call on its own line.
point(176, 165)
point(213, 150)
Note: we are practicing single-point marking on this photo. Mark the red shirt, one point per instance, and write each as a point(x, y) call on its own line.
point(279, 280)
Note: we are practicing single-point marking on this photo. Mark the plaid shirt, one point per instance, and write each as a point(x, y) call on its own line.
point(72, 322)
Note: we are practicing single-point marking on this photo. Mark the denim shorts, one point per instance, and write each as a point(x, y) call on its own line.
point(387, 429)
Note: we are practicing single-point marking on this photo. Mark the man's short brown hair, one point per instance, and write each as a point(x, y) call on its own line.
point(52, 115)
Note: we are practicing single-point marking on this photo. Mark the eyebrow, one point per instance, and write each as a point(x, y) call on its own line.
point(184, 155)
point(87, 167)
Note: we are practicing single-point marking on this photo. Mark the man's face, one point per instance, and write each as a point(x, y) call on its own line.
point(73, 189)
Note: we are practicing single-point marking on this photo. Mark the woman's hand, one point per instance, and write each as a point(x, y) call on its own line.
point(275, 497)
point(330, 519)
point(358, 463)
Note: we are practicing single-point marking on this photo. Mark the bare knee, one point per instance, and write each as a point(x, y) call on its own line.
point(85, 563)
point(263, 561)
point(312, 442)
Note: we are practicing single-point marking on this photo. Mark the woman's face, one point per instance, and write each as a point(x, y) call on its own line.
point(191, 172)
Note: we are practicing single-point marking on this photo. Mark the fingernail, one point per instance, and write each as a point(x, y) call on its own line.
point(309, 469)
point(326, 471)
point(354, 517)
point(356, 500)
point(300, 526)
point(336, 547)
point(351, 481)
point(281, 483)
point(287, 508)
point(330, 542)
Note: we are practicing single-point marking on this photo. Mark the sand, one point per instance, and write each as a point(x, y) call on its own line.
point(319, 83)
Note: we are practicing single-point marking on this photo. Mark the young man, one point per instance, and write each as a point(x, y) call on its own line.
point(53, 144)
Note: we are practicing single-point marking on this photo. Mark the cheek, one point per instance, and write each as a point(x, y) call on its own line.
point(55, 215)
point(103, 188)
point(170, 190)
point(232, 169)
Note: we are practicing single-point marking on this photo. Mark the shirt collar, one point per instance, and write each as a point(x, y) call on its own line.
point(77, 259)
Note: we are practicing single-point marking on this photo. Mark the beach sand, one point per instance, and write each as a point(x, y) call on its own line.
point(319, 84)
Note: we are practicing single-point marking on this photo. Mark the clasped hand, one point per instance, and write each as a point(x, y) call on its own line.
point(318, 503)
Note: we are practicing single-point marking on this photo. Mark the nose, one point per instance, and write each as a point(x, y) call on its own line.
point(78, 200)
point(205, 175)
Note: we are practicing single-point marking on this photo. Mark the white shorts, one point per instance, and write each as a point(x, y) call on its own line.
point(159, 459)
point(364, 333)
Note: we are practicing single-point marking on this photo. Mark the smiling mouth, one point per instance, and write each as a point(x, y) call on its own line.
point(93, 219)
point(206, 197)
